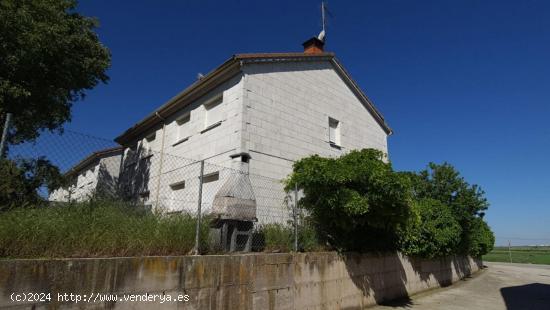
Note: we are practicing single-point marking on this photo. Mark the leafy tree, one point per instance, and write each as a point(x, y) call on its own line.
point(22, 178)
point(467, 202)
point(49, 56)
point(357, 201)
point(432, 232)
point(481, 239)
point(444, 183)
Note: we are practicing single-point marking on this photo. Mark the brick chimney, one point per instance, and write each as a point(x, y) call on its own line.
point(313, 46)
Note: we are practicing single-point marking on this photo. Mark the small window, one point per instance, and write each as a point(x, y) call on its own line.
point(146, 144)
point(151, 137)
point(130, 156)
point(213, 112)
point(211, 177)
point(183, 127)
point(333, 131)
point(177, 186)
point(184, 119)
point(176, 197)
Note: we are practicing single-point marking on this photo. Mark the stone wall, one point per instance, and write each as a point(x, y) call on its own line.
point(246, 281)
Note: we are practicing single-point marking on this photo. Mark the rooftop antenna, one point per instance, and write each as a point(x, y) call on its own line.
point(323, 33)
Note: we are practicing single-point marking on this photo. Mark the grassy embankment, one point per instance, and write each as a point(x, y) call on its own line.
point(94, 229)
point(115, 229)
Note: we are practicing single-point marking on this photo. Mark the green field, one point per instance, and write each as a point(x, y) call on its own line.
point(520, 254)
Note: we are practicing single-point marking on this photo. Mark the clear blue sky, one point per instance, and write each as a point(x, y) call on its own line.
point(466, 82)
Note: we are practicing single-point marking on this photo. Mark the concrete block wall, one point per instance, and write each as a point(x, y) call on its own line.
point(287, 106)
point(278, 112)
point(247, 281)
point(214, 145)
point(102, 173)
point(287, 110)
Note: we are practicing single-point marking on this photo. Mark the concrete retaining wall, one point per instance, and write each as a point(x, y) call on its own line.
point(248, 281)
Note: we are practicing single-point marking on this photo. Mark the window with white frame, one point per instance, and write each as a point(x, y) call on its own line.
point(182, 124)
point(334, 131)
point(213, 111)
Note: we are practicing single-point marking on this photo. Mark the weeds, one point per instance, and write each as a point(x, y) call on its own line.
point(95, 229)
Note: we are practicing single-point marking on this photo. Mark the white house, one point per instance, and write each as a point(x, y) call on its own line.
point(256, 113)
point(97, 173)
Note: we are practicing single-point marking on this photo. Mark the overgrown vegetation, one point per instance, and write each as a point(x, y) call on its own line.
point(95, 229)
point(432, 230)
point(359, 203)
point(22, 179)
point(280, 237)
point(353, 203)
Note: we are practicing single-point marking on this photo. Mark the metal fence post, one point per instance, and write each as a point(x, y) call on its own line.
point(295, 214)
point(199, 207)
point(4, 141)
point(510, 250)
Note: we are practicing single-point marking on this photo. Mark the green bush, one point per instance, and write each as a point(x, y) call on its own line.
point(95, 229)
point(280, 237)
point(21, 179)
point(357, 201)
point(277, 237)
point(467, 203)
point(308, 239)
point(481, 239)
point(433, 231)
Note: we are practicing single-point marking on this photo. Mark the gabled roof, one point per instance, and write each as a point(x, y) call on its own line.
point(93, 157)
point(227, 70)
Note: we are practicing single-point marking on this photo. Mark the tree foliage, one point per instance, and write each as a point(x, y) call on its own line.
point(480, 239)
point(49, 56)
point(22, 179)
point(357, 201)
point(467, 202)
point(433, 231)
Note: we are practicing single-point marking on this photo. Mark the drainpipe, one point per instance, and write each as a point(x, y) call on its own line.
point(161, 159)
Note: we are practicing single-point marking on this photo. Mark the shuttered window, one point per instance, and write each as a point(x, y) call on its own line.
point(333, 131)
point(213, 112)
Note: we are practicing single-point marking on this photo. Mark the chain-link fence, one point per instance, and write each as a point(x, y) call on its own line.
point(240, 211)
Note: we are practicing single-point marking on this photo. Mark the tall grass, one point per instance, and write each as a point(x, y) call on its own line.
point(95, 229)
point(280, 238)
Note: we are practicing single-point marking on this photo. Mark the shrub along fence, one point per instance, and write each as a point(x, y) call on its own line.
point(433, 213)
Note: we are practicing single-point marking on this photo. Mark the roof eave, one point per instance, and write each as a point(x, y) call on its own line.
point(92, 158)
point(370, 106)
point(227, 70)
point(222, 73)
